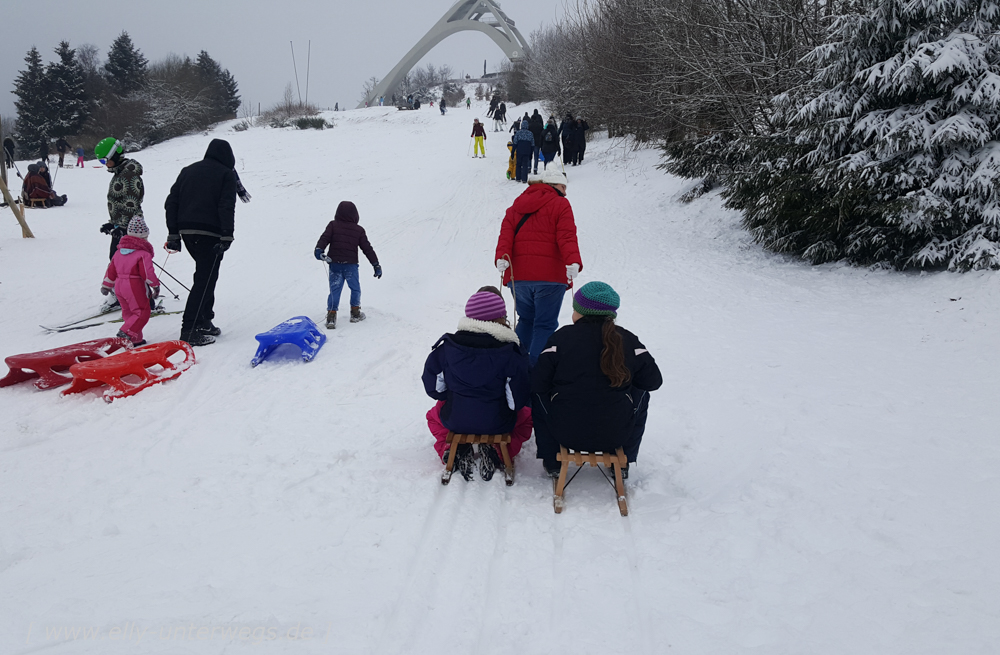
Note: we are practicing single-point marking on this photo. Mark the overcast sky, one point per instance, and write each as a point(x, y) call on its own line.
point(351, 41)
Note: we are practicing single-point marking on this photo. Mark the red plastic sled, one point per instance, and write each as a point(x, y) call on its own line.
point(137, 362)
point(51, 367)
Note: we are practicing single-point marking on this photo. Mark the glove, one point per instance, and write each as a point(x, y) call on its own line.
point(502, 265)
point(105, 291)
point(118, 231)
point(106, 228)
point(155, 291)
point(221, 247)
point(172, 245)
point(571, 272)
point(319, 254)
point(378, 271)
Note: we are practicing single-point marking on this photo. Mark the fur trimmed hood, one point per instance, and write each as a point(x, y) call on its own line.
point(495, 330)
point(134, 243)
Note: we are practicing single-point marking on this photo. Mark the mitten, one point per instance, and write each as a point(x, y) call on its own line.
point(572, 271)
point(106, 228)
point(105, 291)
point(319, 253)
point(221, 247)
point(173, 244)
point(502, 265)
point(378, 271)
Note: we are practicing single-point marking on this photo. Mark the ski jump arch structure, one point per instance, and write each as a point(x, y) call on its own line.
point(481, 15)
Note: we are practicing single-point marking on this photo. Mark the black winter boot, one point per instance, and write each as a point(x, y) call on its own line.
point(357, 315)
point(331, 320)
point(196, 338)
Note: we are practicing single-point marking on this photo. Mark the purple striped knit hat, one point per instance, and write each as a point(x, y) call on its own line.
point(485, 306)
point(596, 299)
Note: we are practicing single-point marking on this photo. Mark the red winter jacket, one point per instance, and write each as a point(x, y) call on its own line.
point(546, 243)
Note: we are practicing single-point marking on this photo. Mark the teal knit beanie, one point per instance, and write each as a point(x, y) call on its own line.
point(596, 299)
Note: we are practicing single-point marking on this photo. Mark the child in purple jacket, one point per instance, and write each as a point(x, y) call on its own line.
point(344, 236)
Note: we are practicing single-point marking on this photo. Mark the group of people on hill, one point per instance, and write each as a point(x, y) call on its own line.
point(584, 386)
point(535, 139)
point(37, 185)
point(498, 112)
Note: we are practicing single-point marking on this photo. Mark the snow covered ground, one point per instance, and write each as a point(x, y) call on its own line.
point(820, 471)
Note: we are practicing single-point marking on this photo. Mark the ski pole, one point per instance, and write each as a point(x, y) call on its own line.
point(171, 276)
point(513, 294)
point(468, 151)
point(169, 290)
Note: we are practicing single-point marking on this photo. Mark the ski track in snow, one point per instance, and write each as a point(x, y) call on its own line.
point(817, 476)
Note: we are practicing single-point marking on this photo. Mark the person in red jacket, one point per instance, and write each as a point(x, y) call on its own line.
point(344, 236)
point(538, 256)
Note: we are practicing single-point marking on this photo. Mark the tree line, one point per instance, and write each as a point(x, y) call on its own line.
point(845, 130)
point(80, 98)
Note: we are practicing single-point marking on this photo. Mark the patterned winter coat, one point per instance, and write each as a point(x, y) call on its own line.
point(546, 243)
point(125, 192)
point(524, 141)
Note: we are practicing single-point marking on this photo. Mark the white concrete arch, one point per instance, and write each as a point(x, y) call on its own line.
point(480, 15)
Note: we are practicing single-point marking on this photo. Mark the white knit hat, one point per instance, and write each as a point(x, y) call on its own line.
point(549, 177)
point(137, 228)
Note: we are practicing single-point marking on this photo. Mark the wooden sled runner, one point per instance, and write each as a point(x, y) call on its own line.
point(616, 461)
point(502, 440)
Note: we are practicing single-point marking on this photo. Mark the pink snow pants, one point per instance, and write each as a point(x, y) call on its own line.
point(521, 433)
point(131, 293)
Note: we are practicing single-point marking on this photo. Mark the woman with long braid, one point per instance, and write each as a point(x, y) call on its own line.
point(590, 388)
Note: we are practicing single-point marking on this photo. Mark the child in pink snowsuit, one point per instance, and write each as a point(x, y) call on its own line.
point(133, 279)
point(479, 376)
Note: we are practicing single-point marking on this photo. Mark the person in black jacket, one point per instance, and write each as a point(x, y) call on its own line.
point(537, 125)
point(567, 130)
point(550, 142)
point(8, 152)
point(590, 387)
point(201, 211)
point(580, 134)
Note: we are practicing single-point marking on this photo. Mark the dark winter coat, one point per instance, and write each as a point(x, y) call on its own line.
point(344, 236)
point(471, 371)
point(537, 125)
point(524, 142)
point(8, 146)
point(62, 146)
point(580, 133)
point(584, 411)
point(125, 193)
point(203, 199)
point(478, 130)
point(550, 142)
point(546, 244)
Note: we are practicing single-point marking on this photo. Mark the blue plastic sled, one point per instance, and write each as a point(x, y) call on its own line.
point(300, 331)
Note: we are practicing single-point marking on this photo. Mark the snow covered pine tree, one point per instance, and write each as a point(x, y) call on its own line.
point(891, 156)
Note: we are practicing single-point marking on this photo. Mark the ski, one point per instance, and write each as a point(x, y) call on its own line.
point(74, 326)
point(56, 328)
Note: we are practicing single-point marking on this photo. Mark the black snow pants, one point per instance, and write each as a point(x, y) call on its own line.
point(206, 274)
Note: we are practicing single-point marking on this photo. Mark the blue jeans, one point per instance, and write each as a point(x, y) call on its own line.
point(523, 167)
point(538, 305)
point(340, 273)
point(538, 149)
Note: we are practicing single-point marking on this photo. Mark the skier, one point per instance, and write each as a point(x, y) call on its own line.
point(130, 274)
point(493, 106)
point(201, 211)
point(590, 389)
point(468, 103)
point(537, 125)
point(524, 145)
point(125, 192)
point(62, 147)
point(479, 377)
point(538, 255)
point(80, 153)
point(479, 134)
point(550, 143)
point(8, 152)
point(503, 115)
point(344, 236)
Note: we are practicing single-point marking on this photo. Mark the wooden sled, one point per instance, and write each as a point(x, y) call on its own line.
point(502, 440)
point(579, 457)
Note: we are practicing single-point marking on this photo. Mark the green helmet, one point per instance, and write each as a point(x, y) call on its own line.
point(107, 146)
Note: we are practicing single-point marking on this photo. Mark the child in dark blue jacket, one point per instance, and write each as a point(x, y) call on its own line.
point(479, 376)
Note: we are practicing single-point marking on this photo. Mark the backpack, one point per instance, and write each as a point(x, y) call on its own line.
point(548, 136)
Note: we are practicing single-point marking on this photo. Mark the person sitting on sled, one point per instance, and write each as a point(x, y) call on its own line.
point(590, 388)
point(130, 274)
point(479, 377)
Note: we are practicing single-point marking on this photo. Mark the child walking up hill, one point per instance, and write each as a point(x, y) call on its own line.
point(344, 236)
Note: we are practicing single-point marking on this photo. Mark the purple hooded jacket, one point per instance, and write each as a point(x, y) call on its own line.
point(344, 236)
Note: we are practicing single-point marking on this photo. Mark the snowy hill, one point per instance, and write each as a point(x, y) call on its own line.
point(818, 475)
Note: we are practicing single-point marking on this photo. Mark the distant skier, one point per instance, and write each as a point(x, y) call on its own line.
point(524, 145)
point(130, 274)
point(538, 251)
point(201, 212)
point(602, 375)
point(479, 378)
point(500, 117)
point(468, 103)
point(493, 107)
point(344, 236)
point(479, 137)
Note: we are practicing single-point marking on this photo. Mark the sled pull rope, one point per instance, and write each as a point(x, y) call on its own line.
point(510, 265)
